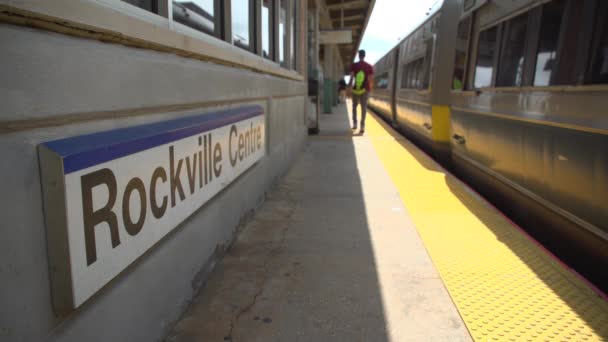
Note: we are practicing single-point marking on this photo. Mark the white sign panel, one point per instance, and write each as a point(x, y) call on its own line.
point(335, 36)
point(111, 196)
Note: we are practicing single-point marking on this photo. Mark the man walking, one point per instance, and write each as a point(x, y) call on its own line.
point(361, 74)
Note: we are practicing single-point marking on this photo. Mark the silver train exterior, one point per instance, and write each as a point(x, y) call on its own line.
point(512, 96)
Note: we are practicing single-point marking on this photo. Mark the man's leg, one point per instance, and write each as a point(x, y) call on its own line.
point(364, 98)
point(355, 103)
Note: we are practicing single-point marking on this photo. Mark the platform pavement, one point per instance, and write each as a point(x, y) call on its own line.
point(332, 255)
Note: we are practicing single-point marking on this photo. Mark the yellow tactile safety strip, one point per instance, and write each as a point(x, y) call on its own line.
point(505, 287)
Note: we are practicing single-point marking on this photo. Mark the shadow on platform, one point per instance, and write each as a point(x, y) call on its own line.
point(573, 299)
point(303, 268)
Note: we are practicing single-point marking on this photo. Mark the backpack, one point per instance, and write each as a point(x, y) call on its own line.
point(359, 80)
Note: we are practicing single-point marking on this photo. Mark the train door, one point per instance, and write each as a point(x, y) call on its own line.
point(393, 95)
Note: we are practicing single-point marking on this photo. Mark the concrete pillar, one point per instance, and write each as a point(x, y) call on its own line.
point(328, 81)
point(337, 74)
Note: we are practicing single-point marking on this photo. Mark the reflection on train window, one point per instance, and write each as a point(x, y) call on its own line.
point(486, 51)
point(240, 23)
point(413, 75)
point(419, 74)
point(266, 25)
point(511, 64)
point(599, 64)
point(198, 14)
point(462, 46)
point(569, 46)
point(569, 49)
point(282, 33)
point(404, 76)
point(148, 5)
point(418, 79)
point(546, 56)
point(382, 81)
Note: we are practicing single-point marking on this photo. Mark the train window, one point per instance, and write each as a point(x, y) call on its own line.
point(568, 55)
point(411, 82)
point(429, 46)
point(416, 77)
point(282, 31)
point(382, 81)
point(486, 50)
point(240, 23)
point(266, 28)
point(197, 14)
point(462, 46)
point(404, 72)
point(148, 5)
point(425, 67)
point(419, 73)
point(599, 57)
point(546, 56)
point(511, 64)
point(410, 75)
point(413, 75)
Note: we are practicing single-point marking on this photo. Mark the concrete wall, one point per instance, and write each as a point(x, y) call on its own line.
point(50, 83)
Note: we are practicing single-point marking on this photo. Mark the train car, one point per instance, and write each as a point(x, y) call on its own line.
point(531, 125)
point(384, 77)
point(523, 89)
point(412, 82)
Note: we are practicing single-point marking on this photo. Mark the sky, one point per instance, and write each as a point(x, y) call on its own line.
point(391, 21)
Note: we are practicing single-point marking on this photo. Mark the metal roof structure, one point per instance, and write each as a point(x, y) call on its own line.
point(350, 14)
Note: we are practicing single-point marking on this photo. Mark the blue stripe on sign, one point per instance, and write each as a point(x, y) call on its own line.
point(87, 150)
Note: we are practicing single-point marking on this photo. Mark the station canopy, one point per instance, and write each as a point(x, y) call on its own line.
point(350, 15)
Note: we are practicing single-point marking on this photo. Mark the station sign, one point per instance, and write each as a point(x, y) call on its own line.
point(335, 36)
point(111, 196)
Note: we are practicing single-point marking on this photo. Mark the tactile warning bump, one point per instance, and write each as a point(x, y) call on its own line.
point(505, 287)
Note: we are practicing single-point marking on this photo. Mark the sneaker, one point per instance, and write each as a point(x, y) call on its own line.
point(355, 126)
point(362, 130)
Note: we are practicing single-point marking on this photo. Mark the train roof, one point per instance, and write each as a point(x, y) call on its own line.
point(435, 8)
